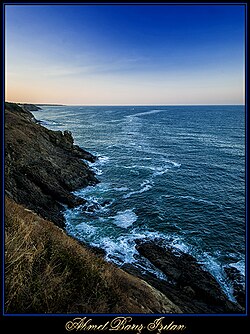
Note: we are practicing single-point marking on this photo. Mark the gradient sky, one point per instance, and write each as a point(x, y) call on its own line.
point(125, 54)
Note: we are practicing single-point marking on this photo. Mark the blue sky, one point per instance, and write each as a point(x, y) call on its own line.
point(125, 54)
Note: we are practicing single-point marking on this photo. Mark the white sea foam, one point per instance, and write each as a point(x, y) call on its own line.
point(160, 171)
point(80, 231)
point(97, 171)
point(89, 191)
point(145, 187)
point(125, 218)
point(155, 111)
point(119, 251)
point(102, 159)
point(197, 200)
point(240, 265)
point(84, 228)
point(121, 189)
point(122, 249)
point(50, 122)
point(176, 164)
point(157, 170)
point(216, 270)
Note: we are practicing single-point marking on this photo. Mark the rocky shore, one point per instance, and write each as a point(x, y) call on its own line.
point(43, 167)
point(189, 284)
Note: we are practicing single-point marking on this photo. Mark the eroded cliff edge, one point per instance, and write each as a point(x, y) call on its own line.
point(43, 167)
point(47, 271)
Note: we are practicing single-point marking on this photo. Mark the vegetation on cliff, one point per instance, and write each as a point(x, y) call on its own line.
point(46, 271)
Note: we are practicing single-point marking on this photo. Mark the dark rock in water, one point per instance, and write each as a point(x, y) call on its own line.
point(90, 207)
point(43, 167)
point(237, 281)
point(198, 288)
point(105, 203)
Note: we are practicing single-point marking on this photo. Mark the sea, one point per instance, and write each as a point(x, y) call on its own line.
point(174, 173)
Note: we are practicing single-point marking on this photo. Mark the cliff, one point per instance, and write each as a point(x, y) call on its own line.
point(46, 271)
point(42, 167)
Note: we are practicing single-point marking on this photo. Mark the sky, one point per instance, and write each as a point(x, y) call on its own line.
point(125, 54)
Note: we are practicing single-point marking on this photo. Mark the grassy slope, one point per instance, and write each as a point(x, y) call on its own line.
point(47, 271)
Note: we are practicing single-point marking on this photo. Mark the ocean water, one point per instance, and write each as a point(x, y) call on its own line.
point(170, 172)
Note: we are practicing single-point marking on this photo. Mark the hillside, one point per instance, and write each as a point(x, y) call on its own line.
point(42, 167)
point(49, 272)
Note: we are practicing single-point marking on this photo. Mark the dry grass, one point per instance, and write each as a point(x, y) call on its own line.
point(46, 271)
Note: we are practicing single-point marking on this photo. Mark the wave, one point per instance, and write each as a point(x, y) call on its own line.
point(154, 111)
point(121, 189)
point(82, 231)
point(191, 198)
point(97, 171)
point(48, 122)
point(158, 170)
point(197, 200)
point(145, 186)
point(121, 249)
point(216, 269)
point(89, 191)
point(125, 218)
point(240, 265)
point(102, 159)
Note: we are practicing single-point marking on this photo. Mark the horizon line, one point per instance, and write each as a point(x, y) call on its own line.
point(134, 105)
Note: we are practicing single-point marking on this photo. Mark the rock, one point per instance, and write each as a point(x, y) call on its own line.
point(188, 278)
point(237, 281)
point(90, 207)
point(29, 107)
point(105, 203)
point(96, 250)
point(189, 291)
point(144, 296)
point(43, 167)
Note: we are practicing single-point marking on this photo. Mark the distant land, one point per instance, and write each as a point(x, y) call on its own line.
point(122, 105)
point(50, 104)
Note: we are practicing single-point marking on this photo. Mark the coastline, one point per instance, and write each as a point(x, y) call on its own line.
point(43, 167)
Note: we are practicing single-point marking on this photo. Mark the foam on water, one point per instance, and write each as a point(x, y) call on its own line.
point(102, 159)
point(198, 200)
point(48, 122)
point(85, 228)
point(122, 249)
point(121, 189)
point(240, 265)
point(155, 111)
point(125, 218)
point(91, 190)
point(145, 186)
point(81, 231)
point(97, 171)
point(215, 268)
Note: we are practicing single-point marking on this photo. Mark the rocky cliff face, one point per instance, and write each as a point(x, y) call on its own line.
point(190, 285)
point(43, 167)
